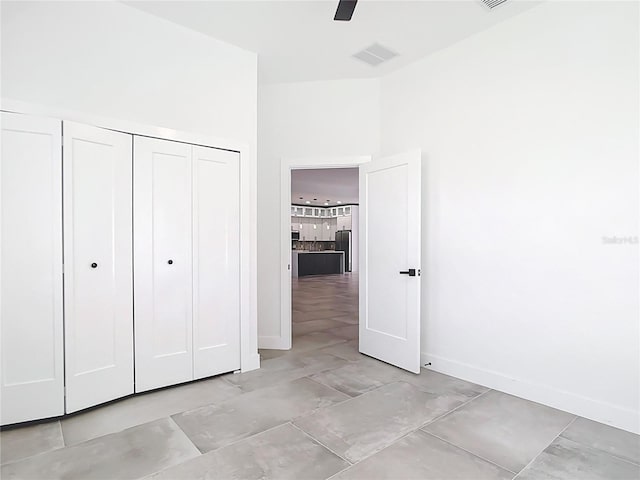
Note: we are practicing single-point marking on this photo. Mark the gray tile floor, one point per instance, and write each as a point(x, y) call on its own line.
point(322, 410)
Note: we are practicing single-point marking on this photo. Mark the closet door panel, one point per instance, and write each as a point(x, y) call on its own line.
point(216, 261)
point(163, 262)
point(98, 265)
point(32, 383)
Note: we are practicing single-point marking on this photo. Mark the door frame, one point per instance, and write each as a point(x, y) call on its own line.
point(249, 357)
point(283, 341)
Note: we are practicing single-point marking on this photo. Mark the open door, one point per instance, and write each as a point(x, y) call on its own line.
point(390, 243)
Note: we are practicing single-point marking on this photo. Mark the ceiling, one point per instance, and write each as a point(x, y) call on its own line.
point(297, 40)
point(327, 185)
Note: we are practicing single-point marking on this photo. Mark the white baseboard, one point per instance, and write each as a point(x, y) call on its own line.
point(273, 343)
point(619, 417)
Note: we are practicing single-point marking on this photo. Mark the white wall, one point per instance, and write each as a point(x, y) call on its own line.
point(529, 133)
point(108, 59)
point(302, 120)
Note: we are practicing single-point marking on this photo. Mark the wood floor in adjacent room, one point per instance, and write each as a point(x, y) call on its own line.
point(322, 410)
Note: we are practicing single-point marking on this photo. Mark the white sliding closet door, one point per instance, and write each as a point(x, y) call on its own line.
point(216, 261)
point(31, 269)
point(98, 265)
point(163, 259)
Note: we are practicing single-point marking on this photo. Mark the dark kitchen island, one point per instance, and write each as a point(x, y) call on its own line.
point(316, 263)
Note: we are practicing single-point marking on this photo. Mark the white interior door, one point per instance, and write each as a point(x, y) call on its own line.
point(216, 261)
point(98, 265)
point(163, 262)
point(390, 260)
point(31, 269)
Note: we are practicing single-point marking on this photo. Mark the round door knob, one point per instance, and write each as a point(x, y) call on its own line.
point(94, 265)
point(170, 262)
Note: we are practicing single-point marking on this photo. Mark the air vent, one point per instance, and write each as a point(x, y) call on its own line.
point(376, 54)
point(493, 3)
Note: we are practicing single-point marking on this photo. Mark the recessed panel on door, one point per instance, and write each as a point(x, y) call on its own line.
point(163, 261)
point(31, 269)
point(390, 260)
point(98, 265)
point(216, 261)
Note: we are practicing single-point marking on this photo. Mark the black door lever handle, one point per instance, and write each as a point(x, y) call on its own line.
point(411, 272)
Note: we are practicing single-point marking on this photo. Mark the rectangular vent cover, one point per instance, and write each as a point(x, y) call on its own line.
point(376, 54)
point(493, 3)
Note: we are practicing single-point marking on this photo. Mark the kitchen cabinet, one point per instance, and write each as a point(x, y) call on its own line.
point(344, 222)
point(326, 230)
point(320, 223)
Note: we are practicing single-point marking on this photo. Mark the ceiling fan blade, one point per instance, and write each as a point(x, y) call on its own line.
point(345, 10)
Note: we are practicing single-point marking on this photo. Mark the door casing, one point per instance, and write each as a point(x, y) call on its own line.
point(283, 341)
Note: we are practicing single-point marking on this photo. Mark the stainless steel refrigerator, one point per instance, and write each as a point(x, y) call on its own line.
point(343, 244)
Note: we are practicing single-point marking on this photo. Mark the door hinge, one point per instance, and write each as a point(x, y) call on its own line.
point(289, 267)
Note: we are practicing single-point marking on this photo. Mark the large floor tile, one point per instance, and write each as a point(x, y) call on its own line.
point(355, 378)
point(23, 442)
point(269, 354)
point(367, 373)
point(315, 340)
point(284, 369)
point(422, 456)
point(440, 384)
point(603, 437)
point(504, 429)
point(349, 319)
point(347, 351)
point(219, 425)
point(281, 453)
point(303, 328)
point(348, 332)
point(130, 454)
point(568, 460)
point(311, 312)
point(145, 408)
point(370, 422)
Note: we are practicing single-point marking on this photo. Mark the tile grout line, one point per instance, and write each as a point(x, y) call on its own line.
point(389, 445)
point(184, 433)
point(323, 445)
point(501, 467)
point(250, 436)
point(596, 449)
point(64, 440)
point(419, 428)
point(575, 417)
point(440, 417)
point(211, 451)
point(349, 397)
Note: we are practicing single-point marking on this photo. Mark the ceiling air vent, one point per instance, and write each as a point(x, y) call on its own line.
point(493, 3)
point(375, 54)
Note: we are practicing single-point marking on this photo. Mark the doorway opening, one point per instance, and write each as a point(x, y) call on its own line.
point(388, 266)
point(324, 226)
point(288, 167)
